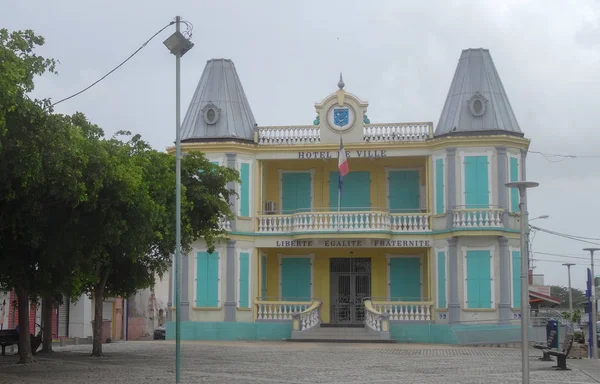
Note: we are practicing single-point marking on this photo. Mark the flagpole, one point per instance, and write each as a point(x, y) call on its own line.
point(339, 190)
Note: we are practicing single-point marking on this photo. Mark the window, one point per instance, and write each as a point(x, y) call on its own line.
point(244, 280)
point(245, 190)
point(439, 186)
point(296, 191)
point(478, 279)
point(295, 278)
point(356, 191)
point(207, 279)
point(441, 279)
point(404, 191)
point(514, 176)
point(515, 257)
point(476, 182)
point(405, 278)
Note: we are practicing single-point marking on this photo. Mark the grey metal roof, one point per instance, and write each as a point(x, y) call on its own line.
point(219, 88)
point(476, 78)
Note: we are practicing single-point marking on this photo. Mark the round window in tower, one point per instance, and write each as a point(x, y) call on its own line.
point(211, 114)
point(477, 104)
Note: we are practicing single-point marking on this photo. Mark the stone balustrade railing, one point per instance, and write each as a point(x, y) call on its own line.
point(374, 319)
point(278, 310)
point(397, 132)
point(344, 221)
point(302, 134)
point(478, 218)
point(309, 318)
point(405, 310)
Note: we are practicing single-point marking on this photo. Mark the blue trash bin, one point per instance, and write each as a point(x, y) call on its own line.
point(552, 325)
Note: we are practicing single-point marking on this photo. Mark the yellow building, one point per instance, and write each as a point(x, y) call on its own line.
point(418, 241)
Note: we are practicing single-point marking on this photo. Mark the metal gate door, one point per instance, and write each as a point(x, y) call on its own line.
point(350, 284)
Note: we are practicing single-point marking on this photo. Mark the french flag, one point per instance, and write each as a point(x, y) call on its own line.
point(342, 165)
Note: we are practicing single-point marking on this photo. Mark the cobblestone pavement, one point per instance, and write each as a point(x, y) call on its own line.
point(281, 362)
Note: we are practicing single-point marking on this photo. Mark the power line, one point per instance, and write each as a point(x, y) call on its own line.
point(563, 256)
point(117, 67)
point(557, 158)
point(567, 236)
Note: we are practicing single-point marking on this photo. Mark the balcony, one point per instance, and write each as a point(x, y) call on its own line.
point(490, 217)
point(311, 134)
point(359, 221)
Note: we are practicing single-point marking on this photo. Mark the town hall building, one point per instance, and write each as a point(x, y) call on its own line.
point(418, 241)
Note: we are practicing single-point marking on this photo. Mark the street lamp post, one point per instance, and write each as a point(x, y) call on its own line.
point(522, 186)
point(593, 315)
point(569, 265)
point(178, 45)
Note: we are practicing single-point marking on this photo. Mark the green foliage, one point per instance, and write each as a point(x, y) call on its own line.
point(562, 293)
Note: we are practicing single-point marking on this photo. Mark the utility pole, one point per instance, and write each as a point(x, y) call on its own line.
point(522, 186)
point(178, 45)
point(594, 313)
point(568, 265)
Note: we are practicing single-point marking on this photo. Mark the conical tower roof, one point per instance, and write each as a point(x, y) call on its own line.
point(219, 108)
point(477, 102)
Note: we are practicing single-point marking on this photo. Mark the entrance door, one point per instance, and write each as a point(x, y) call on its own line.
point(350, 284)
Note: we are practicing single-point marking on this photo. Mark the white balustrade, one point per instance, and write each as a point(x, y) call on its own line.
point(279, 310)
point(303, 134)
point(477, 218)
point(344, 221)
point(225, 224)
point(398, 132)
point(309, 318)
point(404, 311)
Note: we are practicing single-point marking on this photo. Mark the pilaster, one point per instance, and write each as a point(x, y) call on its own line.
point(233, 202)
point(505, 302)
point(230, 303)
point(453, 303)
point(450, 185)
point(502, 180)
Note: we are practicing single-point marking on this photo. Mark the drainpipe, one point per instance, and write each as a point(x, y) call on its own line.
point(126, 319)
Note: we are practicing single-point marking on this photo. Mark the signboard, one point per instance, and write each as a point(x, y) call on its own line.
point(371, 153)
point(544, 290)
point(343, 243)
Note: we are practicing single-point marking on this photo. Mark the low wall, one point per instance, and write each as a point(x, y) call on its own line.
point(231, 331)
point(136, 328)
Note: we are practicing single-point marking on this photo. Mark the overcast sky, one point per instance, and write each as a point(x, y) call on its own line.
point(400, 56)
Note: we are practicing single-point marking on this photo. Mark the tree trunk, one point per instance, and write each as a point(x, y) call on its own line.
point(25, 355)
point(47, 306)
point(98, 304)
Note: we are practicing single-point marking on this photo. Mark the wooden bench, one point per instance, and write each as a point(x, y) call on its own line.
point(548, 346)
point(561, 357)
point(8, 337)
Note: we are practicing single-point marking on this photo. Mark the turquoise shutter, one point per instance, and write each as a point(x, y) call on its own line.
point(263, 283)
point(201, 279)
point(514, 192)
point(441, 282)
point(212, 280)
point(244, 279)
point(295, 278)
point(479, 281)
point(405, 279)
point(356, 192)
point(476, 182)
point(439, 186)
point(295, 192)
point(245, 190)
point(516, 278)
point(404, 191)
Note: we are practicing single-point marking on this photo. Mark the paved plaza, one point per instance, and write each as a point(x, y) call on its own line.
point(281, 362)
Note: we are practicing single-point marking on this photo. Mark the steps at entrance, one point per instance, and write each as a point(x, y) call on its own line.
point(352, 334)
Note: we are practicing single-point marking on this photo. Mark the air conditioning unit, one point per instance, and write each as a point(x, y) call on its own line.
point(269, 207)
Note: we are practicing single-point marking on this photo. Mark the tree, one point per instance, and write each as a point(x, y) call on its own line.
point(129, 229)
point(562, 293)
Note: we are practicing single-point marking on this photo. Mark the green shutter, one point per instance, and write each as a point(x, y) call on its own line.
point(479, 280)
point(201, 279)
point(244, 279)
point(404, 191)
point(516, 278)
point(245, 190)
point(295, 192)
point(212, 280)
point(356, 192)
point(405, 279)
point(439, 186)
point(441, 279)
point(263, 285)
point(295, 278)
point(514, 192)
point(476, 182)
